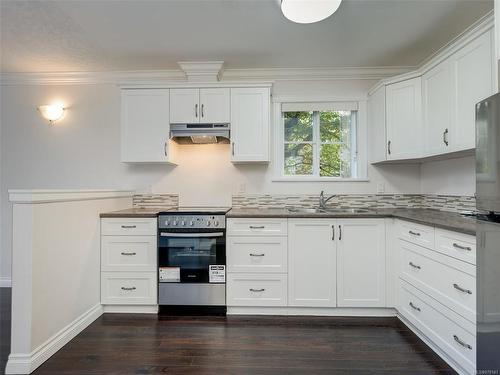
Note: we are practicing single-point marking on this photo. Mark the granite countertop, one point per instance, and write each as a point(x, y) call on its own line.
point(136, 212)
point(440, 219)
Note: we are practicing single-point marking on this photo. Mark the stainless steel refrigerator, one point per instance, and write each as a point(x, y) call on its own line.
point(488, 234)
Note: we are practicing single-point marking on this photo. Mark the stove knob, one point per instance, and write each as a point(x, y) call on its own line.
point(174, 222)
point(167, 223)
point(183, 223)
point(191, 223)
point(208, 223)
point(216, 223)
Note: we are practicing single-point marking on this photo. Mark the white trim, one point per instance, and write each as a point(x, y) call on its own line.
point(5, 282)
point(314, 311)
point(130, 309)
point(477, 29)
point(177, 76)
point(46, 196)
point(19, 363)
point(318, 179)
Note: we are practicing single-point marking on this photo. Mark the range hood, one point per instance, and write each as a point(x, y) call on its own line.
point(199, 133)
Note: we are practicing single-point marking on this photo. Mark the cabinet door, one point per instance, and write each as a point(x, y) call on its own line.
point(404, 119)
point(376, 126)
point(473, 68)
point(185, 106)
point(145, 126)
point(312, 263)
point(438, 108)
point(214, 105)
point(361, 263)
point(250, 124)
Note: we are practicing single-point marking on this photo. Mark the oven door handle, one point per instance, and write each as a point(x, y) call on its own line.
point(206, 235)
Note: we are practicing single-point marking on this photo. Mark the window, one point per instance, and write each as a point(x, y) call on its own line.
point(319, 143)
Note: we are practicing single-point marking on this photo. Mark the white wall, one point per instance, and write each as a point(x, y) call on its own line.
point(82, 151)
point(453, 177)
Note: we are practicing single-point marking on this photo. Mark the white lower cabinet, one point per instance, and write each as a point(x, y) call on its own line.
point(254, 289)
point(128, 288)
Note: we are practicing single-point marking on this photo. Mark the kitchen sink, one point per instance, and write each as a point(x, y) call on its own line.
point(302, 210)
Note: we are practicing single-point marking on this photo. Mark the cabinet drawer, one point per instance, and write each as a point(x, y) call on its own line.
point(128, 253)
point(129, 288)
point(447, 330)
point(449, 281)
point(256, 289)
point(256, 227)
point(257, 254)
point(415, 233)
point(129, 226)
point(456, 245)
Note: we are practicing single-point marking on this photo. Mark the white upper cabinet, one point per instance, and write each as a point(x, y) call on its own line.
point(438, 104)
point(215, 105)
point(473, 68)
point(404, 119)
point(250, 118)
point(361, 263)
point(206, 105)
point(184, 104)
point(376, 126)
point(145, 126)
point(312, 263)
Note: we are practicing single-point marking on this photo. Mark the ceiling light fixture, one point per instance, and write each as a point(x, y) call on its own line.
point(52, 112)
point(308, 11)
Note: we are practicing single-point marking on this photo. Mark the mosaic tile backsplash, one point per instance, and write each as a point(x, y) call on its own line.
point(156, 200)
point(368, 201)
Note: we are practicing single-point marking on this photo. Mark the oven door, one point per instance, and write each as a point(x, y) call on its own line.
point(186, 257)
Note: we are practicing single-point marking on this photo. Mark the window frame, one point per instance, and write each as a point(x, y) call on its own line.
point(279, 145)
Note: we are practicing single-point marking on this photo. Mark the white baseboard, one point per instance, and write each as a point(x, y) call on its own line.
point(131, 309)
point(5, 282)
point(20, 363)
point(314, 311)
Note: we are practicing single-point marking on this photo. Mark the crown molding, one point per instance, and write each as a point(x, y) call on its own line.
point(177, 76)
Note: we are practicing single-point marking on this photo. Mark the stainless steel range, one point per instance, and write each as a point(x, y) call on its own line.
point(192, 260)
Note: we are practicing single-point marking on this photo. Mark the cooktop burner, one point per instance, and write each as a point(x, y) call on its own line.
point(195, 210)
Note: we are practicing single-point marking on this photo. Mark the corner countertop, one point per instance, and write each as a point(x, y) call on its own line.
point(440, 219)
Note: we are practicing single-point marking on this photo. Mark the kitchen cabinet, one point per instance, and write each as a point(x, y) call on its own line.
point(145, 126)
point(361, 263)
point(250, 124)
point(376, 126)
point(204, 105)
point(312, 263)
point(404, 119)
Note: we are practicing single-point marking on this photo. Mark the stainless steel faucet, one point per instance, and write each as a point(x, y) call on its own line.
point(323, 200)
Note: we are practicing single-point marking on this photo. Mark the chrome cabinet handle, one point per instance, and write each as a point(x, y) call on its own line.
point(464, 344)
point(389, 147)
point(125, 253)
point(203, 110)
point(257, 255)
point(257, 227)
point(129, 226)
point(414, 265)
point(445, 137)
point(333, 232)
point(165, 148)
point(457, 246)
point(340, 232)
point(414, 233)
point(196, 110)
point(132, 288)
point(256, 290)
point(414, 307)
point(458, 287)
point(232, 148)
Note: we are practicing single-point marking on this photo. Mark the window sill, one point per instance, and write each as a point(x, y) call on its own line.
point(318, 179)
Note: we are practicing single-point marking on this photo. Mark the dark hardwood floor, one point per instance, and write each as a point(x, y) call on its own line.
point(4, 327)
point(138, 344)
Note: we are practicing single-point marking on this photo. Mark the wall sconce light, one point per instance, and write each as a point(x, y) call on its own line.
point(52, 112)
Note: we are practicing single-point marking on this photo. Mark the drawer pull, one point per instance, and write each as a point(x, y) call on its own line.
point(129, 226)
point(414, 307)
point(125, 253)
point(414, 233)
point(257, 227)
point(257, 255)
point(129, 289)
point(458, 287)
point(460, 247)
point(256, 290)
point(464, 344)
point(414, 265)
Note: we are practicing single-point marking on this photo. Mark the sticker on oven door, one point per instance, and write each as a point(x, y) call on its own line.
point(170, 274)
point(216, 273)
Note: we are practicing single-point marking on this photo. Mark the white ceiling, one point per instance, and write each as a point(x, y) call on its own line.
point(102, 35)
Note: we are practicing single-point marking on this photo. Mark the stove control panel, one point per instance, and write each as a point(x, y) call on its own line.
point(177, 220)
